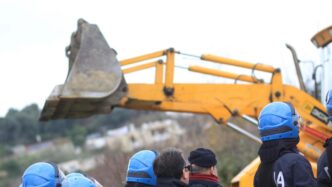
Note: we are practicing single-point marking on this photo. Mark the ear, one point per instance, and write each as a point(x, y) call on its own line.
point(185, 176)
point(213, 170)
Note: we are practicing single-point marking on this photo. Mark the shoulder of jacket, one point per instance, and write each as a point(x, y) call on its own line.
point(292, 159)
point(292, 155)
point(197, 185)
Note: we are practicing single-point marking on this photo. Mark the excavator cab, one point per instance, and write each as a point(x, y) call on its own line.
point(94, 82)
point(322, 40)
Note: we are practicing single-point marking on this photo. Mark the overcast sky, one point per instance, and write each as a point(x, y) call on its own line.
point(34, 33)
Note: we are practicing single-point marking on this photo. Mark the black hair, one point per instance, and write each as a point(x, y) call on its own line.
point(198, 169)
point(169, 164)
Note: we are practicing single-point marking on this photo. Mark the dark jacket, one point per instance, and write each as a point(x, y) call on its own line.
point(170, 182)
point(283, 166)
point(292, 169)
point(323, 179)
point(136, 184)
point(201, 183)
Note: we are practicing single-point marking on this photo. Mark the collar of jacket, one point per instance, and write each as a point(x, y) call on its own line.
point(272, 150)
point(170, 182)
point(203, 177)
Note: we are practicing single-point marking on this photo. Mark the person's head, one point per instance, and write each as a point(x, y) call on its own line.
point(78, 180)
point(42, 174)
point(171, 164)
point(203, 161)
point(329, 104)
point(278, 120)
point(140, 168)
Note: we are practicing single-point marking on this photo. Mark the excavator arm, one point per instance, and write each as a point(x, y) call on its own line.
point(95, 85)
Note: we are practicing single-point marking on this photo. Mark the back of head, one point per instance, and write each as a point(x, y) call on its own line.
point(169, 164)
point(77, 180)
point(329, 104)
point(203, 158)
point(140, 168)
point(42, 174)
point(278, 120)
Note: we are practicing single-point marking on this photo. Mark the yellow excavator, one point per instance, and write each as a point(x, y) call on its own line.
point(96, 83)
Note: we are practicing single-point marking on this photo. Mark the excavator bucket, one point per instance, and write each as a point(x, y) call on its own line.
point(94, 83)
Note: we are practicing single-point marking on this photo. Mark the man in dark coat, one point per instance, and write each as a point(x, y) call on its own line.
point(281, 163)
point(324, 164)
point(170, 169)
point(203, 170)
point(323, 169)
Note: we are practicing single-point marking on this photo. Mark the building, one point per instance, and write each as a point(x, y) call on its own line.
point(148, 134)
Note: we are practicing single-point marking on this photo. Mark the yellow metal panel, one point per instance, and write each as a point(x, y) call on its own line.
point(306, 106)
point(246, 177)
point(208, 96)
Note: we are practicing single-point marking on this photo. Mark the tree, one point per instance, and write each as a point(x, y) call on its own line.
point(77, 135)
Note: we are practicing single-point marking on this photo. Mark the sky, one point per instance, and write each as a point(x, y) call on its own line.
point(34, 34)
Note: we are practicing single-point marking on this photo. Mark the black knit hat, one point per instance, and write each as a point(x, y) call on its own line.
point(203, 158)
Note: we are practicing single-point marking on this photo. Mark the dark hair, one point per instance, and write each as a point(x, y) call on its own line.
point(198, 169)
point(136, 184)
point(169, 163)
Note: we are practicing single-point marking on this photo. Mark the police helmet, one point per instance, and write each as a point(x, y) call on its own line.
point(42, 174)
point(140, 168)
point(77, 180)
point(278, 120)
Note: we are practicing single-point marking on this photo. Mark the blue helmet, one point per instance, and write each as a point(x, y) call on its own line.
point(278, 120)
point(329, 104)
point(77, 180)
point(42, 174)
point(140, 168)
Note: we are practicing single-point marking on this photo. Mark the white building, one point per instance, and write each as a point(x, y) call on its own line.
point(149, 134)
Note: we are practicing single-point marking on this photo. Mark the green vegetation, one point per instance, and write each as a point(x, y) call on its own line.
point(23, 127)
